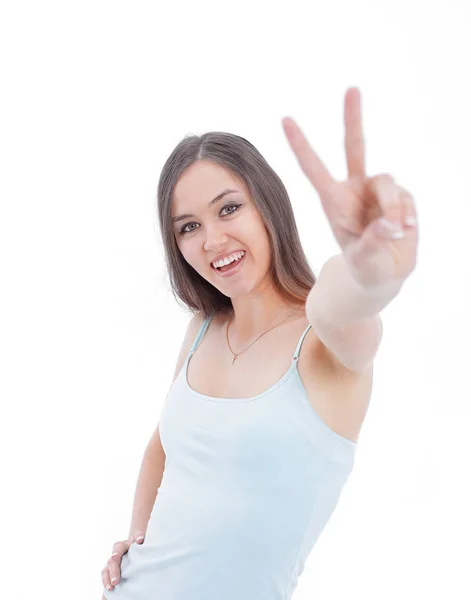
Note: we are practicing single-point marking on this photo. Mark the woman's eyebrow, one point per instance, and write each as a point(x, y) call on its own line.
point(213, 201)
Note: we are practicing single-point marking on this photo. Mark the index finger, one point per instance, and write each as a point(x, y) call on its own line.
point(309, 162)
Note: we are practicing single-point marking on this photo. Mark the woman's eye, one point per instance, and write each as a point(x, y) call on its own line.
point(184, 229)
point(236, 206)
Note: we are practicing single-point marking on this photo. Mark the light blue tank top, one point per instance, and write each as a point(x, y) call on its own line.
point(249, 485)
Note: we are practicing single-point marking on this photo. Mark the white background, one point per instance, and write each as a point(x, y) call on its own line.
point(95, 97)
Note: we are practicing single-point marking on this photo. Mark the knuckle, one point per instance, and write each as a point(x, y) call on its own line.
point(384, 177)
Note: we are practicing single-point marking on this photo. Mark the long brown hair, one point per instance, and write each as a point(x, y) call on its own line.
point(290, 272)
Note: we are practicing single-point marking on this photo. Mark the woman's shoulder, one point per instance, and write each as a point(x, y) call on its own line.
point(191, 331)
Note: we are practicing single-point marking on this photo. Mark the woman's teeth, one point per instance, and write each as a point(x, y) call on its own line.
point(234, 260)
point(230, 265)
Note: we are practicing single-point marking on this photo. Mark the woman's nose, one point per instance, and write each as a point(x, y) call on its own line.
point(215, 239)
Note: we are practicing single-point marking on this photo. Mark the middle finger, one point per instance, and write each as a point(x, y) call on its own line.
point(354, 139)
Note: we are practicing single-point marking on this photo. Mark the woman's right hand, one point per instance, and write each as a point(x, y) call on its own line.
point(113, 566)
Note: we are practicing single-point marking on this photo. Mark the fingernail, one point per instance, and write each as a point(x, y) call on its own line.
point(390, 225)
point(108, 587)
point(114, 554)
point(410, 221)
point(391, 230)
point(141, 537)
point(114, 579)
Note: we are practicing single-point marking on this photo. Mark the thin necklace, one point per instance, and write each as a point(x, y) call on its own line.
point(227, 335)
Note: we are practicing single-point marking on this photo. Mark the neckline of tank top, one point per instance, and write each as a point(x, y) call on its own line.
point(292, 369)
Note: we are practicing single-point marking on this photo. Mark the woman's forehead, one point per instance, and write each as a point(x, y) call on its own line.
point(203, 184)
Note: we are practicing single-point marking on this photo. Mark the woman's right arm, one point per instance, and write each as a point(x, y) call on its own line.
point(151, 471)
point(148, 482)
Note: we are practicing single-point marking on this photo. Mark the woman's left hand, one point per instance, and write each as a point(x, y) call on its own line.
point(355, 207)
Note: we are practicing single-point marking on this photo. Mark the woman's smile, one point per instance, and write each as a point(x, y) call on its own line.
point(231, 269)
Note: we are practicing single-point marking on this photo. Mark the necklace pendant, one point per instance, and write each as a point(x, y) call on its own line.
point(233, 359)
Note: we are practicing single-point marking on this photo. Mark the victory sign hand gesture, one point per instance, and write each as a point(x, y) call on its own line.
point(360, 208)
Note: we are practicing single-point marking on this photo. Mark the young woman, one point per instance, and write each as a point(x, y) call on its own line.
point(259, 429)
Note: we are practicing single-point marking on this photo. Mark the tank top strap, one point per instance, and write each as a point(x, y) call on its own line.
point(298, 348)
point(201, 333)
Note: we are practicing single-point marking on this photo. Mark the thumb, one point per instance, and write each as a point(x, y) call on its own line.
point(369, 253)
point(139, 536)
point(367, 244)
point(376, 237)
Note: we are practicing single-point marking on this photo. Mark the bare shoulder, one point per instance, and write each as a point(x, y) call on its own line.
point(190, 334)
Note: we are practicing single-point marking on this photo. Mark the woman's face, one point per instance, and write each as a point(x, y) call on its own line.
point(211, 230)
